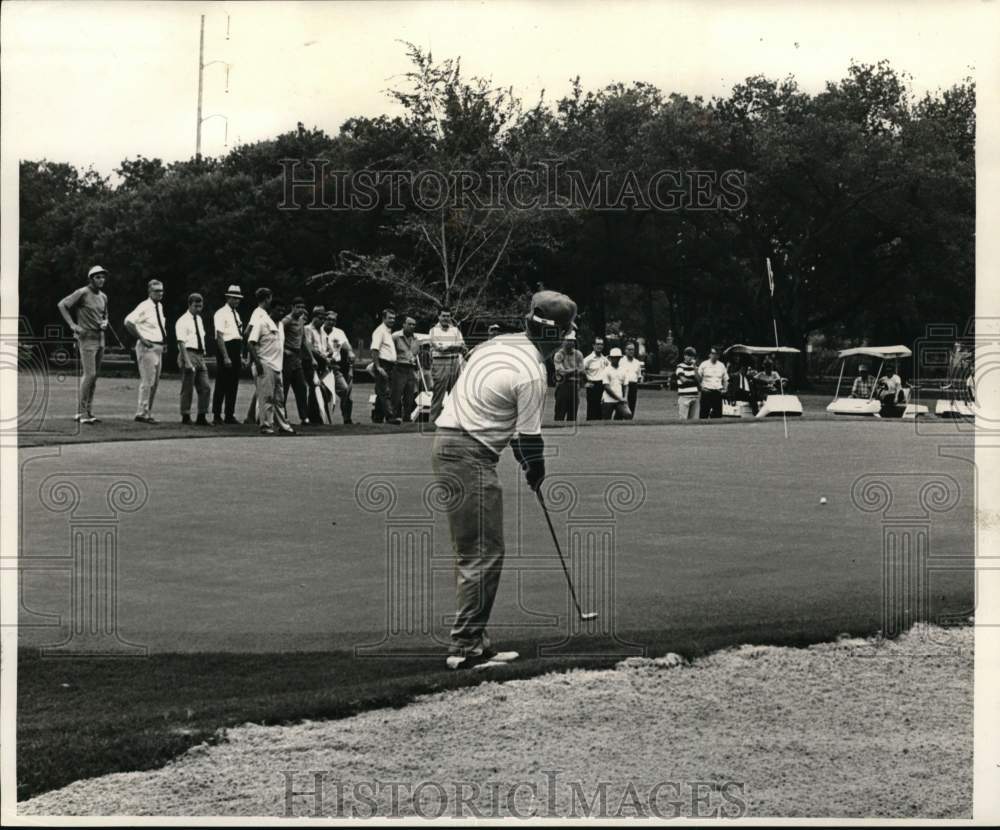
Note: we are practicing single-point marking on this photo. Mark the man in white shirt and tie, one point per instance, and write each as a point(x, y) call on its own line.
point(383, 361)
point(148, 324)
point(447, 348)
point(190, 332)
point(229, 350)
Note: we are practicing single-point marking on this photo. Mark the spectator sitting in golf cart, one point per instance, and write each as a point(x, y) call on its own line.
point(863, 383)
point(766, 382)
point(890, 390)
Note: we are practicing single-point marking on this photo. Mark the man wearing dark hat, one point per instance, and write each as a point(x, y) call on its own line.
point(498, 399)
point(91, 304)
point(229, 350)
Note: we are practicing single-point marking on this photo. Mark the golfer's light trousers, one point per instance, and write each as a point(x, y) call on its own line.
point(150, 363)
point(91, 355)
point(475, 518)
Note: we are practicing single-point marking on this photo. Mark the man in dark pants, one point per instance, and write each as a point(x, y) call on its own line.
point(229, 357)
point(714, 382)
point(404, 372)
point(296, 358)
point(568, 364)
point(383, 359)
point(594, 365)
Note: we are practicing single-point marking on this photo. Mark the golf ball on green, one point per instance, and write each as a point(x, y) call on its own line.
point(822, 499)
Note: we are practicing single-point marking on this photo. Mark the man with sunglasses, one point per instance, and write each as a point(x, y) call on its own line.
point(498, 399)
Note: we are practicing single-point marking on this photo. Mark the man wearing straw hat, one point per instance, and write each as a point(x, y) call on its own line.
point(229, 342)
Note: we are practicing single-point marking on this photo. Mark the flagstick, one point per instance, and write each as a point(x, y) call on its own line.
point(777, 344)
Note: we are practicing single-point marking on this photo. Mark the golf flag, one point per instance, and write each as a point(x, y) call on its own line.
point(770, 275)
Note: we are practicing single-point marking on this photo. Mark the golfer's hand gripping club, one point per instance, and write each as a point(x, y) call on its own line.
point(529, 450)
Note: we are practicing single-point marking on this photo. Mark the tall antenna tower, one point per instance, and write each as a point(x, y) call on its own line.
point(201, 85)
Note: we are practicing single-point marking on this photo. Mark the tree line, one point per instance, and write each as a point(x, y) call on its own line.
point(862, 196)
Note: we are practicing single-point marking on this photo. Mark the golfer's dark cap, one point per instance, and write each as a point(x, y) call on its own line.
point(550, 308)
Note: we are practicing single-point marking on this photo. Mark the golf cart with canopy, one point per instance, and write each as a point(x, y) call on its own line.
point(769, 396)
point(872, 405)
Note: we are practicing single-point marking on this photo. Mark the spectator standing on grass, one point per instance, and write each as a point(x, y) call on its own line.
point(296, 366)
point(266, 342)
point(404, 373)
point(614, 404)
point(318, 347)
point(190, 333)
point(688, 381)
point(498, 400)
point(383, 359)
point(148, 324)
point(447, 348)
point(864, 384)
point(91, 304)
point(714, 381)
point(229, 347)
point(594, 365)
point(633, 368)
point(568, 364)
point(341, 364)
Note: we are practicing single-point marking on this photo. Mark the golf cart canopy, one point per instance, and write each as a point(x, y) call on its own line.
point(739, 348)
point(881, 352)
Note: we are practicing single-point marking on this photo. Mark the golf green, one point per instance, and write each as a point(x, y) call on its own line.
point(711, 532)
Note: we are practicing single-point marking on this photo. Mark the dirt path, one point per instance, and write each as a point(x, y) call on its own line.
point(846, 729)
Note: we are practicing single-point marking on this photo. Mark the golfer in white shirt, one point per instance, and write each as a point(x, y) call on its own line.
point(498, 399)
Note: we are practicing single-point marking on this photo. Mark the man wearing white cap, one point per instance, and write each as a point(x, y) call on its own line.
point(229, 350)
point(91, 305)
point(148, 324)
point(613, 402)
point(497, 399)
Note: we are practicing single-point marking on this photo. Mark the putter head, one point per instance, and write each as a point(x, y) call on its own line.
point(589, 617)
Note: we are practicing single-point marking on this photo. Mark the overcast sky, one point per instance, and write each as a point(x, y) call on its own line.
point(92, 83)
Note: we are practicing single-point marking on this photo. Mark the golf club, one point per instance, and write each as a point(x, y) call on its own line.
point(569, 580)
